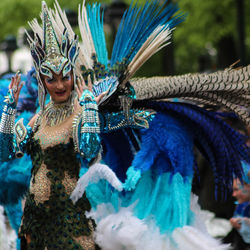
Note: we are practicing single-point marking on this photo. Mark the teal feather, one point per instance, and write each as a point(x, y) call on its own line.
point(95, 20)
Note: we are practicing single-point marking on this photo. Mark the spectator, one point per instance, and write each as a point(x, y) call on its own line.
point(241, 219)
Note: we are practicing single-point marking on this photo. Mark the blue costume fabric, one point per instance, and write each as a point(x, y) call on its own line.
point(15, 175)
point(242, 210)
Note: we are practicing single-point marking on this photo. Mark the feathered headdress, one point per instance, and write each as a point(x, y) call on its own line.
point(52, 49)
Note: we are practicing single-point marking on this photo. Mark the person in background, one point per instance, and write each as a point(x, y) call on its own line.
point(241, 218)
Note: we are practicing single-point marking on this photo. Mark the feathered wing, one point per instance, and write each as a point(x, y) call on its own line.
point(228, 88)
point(143, 31)
point(222, 146)
point(163, 163)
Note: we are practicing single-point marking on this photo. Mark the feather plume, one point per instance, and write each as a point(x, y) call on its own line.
point(142, 33)
point(95, 173)
point(156, 41)
point(97, 31)
point(219, 143)
point(87, 45)
point(229, 89)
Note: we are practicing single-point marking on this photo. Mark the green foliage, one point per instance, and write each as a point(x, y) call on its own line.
point(17, 13)
point(207, 22)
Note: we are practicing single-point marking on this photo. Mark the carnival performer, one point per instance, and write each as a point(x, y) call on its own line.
point(131, 144)
point(15, 174)
point(48, 140)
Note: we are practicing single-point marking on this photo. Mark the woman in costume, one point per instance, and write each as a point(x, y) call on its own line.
point(15, 174)
point(139, 194)
point(48, 140)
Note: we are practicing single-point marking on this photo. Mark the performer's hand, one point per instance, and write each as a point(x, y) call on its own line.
point(235, 222)
point(16, 86)
point(81, 86)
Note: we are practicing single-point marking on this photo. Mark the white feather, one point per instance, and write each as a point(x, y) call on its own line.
point(155, 42)
point(95, 173)
point(87, 46)
point(36, 28)
point(189, 238)
point(63, 20)
point(123, 231)
point(7, 235)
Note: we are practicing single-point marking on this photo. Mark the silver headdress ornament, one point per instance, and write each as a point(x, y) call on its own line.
point(52, 50)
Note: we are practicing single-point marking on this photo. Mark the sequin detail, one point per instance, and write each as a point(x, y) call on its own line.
point(87, 241)
point(50, 218)
point(40, 185)
point(54, 135)
point(69, 183)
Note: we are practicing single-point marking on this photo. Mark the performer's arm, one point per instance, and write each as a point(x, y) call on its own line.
point(7, 149)
point(10, 144)
point(89, 139)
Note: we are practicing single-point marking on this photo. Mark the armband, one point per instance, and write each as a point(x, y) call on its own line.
point(8, 120)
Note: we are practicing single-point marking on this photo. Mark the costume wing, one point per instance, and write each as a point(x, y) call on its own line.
point(155, 165)
point(229, 88)
point(142, 32)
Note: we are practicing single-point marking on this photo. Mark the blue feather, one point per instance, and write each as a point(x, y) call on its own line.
point(97, 31)
point(223, 146)
point(166, 146)
point(117, 152)
point(14, 180)
point(138, 24)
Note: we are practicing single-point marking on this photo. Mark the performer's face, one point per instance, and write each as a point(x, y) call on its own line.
point(59, 86)
point(241, 193)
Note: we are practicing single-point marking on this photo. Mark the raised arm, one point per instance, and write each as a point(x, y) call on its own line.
point(86, 129)
point(7, 122)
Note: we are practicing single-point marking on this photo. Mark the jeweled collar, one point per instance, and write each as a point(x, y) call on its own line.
point(55, 113)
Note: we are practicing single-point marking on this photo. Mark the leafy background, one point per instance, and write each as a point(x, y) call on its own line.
point(207, 40)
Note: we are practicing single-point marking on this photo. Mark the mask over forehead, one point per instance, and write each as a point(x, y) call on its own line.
point(52, 52)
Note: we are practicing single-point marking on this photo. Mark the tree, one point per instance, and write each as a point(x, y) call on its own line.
point(208, 28)
point(17, 13)
point(209, 24)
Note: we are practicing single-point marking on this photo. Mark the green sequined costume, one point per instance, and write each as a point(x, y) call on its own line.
point(50, 219)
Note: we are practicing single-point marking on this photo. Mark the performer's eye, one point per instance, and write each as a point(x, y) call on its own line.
point(50, 80)
point(67, 77)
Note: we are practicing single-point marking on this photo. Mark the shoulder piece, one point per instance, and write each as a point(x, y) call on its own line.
point(134, 119)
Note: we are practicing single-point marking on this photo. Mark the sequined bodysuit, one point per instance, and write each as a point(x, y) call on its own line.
point(50, 218)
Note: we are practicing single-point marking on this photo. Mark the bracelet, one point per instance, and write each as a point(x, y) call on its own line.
point(9, 99)
point(8, 120)
point(90, 117)
point(87, 97)
point(90, 121)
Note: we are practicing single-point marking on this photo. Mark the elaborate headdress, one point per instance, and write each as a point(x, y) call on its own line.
point(52, 49)
point(143, 31)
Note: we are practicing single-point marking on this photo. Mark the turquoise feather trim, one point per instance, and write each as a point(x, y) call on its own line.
point(95, 20)
point(138, 23)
